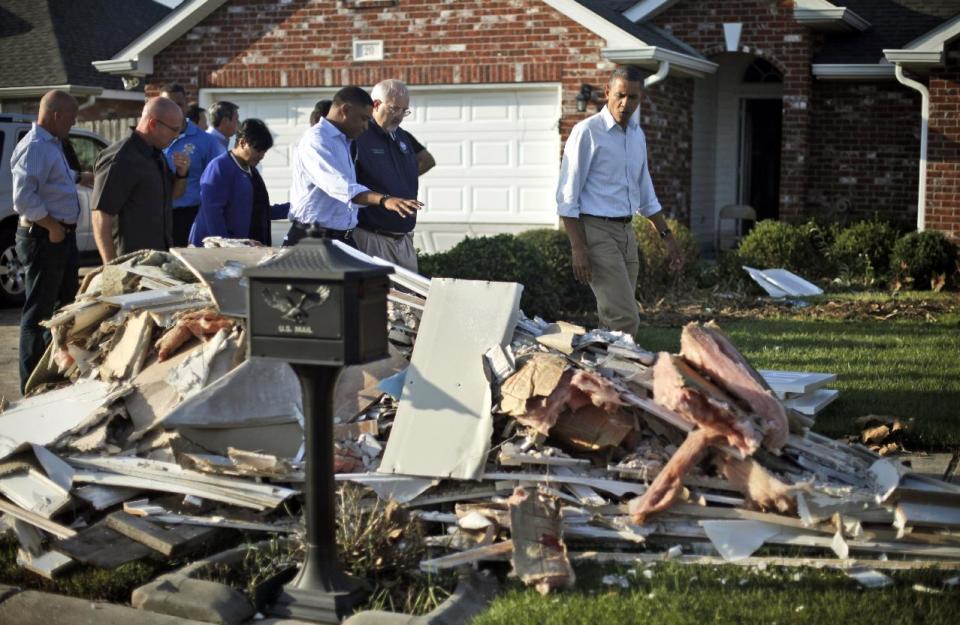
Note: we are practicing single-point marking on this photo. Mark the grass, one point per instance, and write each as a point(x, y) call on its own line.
point(896, 368)
point(697, 595)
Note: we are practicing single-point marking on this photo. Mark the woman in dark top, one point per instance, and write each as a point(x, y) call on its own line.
point(234, 203)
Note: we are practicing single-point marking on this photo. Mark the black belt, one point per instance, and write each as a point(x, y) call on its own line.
point(396, 236)
point(330, 233)
point(26, 223)
point(622, 220)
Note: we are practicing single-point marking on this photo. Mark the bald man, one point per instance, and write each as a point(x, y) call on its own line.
point(133, 189)
point(45, 197)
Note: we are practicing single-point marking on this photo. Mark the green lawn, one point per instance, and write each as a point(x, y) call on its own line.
point(697, 595)
point(896, 368)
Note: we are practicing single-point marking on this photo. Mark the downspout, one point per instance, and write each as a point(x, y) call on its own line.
point(662, 72)
point(924, 132)
point(90, 100)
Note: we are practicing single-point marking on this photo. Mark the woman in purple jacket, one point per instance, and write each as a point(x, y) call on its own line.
point(233, 198)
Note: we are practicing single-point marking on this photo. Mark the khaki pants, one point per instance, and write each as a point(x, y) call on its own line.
point(398, 251)
point(614, 264)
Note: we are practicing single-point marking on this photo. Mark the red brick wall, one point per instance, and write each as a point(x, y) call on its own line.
point(307, 43)
point(864, 156)
point(769, 31)
point(943, 159)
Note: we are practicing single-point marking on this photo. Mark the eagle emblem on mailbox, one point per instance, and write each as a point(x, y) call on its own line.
point(295, 302)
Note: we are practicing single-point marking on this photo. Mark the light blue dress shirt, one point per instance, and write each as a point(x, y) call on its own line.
point(324, 179)
point(43, 183)
point(216, 134)
point(604, 170)
point(205, 149)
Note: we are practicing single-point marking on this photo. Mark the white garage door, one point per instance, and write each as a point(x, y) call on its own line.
point(497, 150)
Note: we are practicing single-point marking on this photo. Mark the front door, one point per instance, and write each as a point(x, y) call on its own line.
point(760, 156)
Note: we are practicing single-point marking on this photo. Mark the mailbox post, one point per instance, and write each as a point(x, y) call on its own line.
point(319, 309)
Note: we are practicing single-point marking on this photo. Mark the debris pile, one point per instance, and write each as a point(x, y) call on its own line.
point(147, 428)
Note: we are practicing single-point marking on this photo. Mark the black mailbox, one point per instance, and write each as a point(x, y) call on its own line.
point(318, 305)
point(318, 308)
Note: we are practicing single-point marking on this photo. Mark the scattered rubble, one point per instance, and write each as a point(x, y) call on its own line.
point(147, 428)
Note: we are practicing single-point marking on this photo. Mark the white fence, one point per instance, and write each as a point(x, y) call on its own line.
point(110, 129)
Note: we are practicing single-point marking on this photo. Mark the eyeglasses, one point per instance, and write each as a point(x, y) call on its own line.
point(393, 110)
point(163, 123)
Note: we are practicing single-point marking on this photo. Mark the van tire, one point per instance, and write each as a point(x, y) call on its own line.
point(13, 281)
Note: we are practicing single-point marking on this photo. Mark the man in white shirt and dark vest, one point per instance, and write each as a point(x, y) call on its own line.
point(325, 196)
point(604, 181)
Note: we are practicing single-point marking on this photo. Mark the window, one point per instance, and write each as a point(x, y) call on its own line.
point(87, 150)
point(762, 71)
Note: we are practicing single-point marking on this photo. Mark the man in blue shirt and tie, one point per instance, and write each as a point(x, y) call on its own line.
point(201, 148)
point(45, 197)
point(604, 181)
point(325, 196)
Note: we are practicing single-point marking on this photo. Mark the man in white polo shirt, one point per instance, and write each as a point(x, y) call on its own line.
point(604, 181)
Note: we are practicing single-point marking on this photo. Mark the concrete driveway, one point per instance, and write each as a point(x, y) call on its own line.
point(9, 347)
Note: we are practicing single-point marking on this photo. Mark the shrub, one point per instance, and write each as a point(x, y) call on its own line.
point(920, 257)
point(554, 247)
point(656, 277)
point(862, 251)
point(773, 244)
point(502, 258)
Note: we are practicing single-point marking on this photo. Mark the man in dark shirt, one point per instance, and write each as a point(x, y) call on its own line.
point(390, 161)
point(133, 188)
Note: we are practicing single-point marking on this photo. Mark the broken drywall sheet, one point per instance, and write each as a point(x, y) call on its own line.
point(153, 398)
point(43, 419)
point(221, 269)
point(399, 488)
point(259, 391)
point(129, 353)
point(782, 283)
point(444, 425)
point(197, 370)
point(869, 578)
point(736, 540)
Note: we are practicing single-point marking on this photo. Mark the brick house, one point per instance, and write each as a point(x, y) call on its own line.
point(792, 106)
point(50, 44)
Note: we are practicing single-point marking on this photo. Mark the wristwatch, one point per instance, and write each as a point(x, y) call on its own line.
point(383, 200)
point(183, 177)
point(77, 178)
point(665, 233)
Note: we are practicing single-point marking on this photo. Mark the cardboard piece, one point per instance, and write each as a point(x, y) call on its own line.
point(539, 554)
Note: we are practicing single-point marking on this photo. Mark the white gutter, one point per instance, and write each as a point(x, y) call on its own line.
point(924, 132)
point(653, 79)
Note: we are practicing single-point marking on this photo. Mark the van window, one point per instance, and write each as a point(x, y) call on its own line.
point(87, 150)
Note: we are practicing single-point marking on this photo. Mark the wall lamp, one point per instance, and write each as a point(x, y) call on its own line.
point(587, 95)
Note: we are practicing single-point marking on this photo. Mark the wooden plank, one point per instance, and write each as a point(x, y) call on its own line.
point(98, 545)
point(496, 551)
point(170, 542)
point(36, 520)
